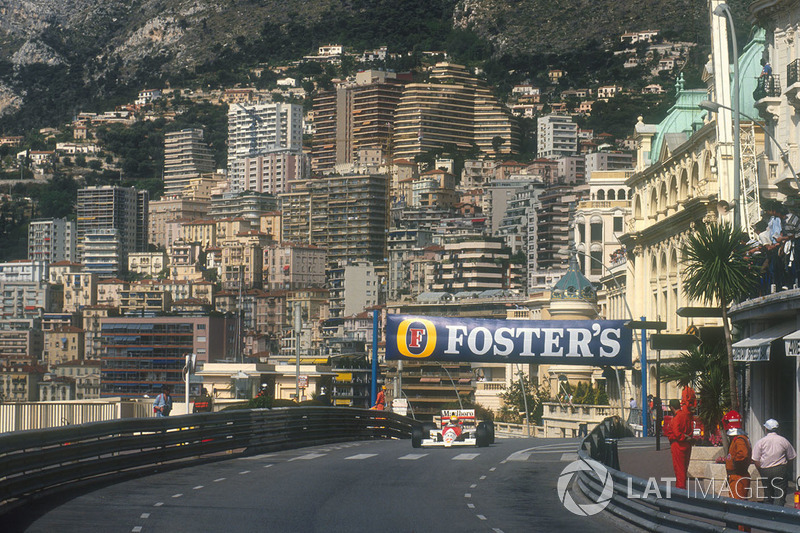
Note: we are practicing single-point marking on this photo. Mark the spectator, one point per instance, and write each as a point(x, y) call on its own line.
point(163, 404)
point(633, 403)
point(772, 456)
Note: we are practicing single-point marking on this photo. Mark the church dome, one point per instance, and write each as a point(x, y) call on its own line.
point(574, 286)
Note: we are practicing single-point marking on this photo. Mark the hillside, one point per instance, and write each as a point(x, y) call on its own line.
point(57, 56)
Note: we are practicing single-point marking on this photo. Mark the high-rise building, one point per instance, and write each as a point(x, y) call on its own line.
point(557, 136)
point(141, 354)
point(355, 115)
point(257, 130)
point(346, 215)
point(51, 240)
point(186, 156)
point(454, 108)
point(101, 211)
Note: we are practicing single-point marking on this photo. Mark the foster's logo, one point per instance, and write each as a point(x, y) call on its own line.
point(416, 337)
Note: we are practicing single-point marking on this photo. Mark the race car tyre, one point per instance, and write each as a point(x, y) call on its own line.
point(416, 438)
point(482, 436)
point(490, 427)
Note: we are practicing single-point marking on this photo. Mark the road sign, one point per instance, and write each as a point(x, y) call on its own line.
point(302, 381)
point(664, 341)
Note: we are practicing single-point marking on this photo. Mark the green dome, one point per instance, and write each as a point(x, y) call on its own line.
point(574, 285)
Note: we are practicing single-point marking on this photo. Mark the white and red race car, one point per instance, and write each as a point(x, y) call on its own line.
point(455, 427)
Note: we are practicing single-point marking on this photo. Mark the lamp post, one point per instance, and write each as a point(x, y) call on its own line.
point(644, 343)
point(722, 10)
point(713, 107)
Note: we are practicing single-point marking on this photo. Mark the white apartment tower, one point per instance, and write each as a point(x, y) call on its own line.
point(256, 131)
point(52, 240)
point(186, 157)
point(557, 137)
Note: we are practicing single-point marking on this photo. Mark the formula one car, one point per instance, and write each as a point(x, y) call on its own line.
point(455, 427)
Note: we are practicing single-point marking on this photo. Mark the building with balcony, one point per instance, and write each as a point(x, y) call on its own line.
point(345, 215)
point(111, 223)
point(147, 264)
point(473, 264)
point(85, 374)
point(21, 341)
point(52, 240)
point(454, 107)
point(139, 355)
point(293, 266)
point(353, 288)
point(20, 382)
point(63, 344)
point(557, 136)
point(257, 129)
point(186, 157)
point(356, 114)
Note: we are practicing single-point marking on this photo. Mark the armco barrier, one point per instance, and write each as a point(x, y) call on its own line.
point(681, 511)
point(37, 462)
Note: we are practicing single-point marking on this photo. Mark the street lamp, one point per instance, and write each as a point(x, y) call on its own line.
point(720, 11)
point(714, 107)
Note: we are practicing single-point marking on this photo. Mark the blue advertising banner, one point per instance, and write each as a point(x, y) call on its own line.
point(565, 342)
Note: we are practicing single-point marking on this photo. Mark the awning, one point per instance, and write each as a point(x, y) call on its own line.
point(792, 342)
point(757, 346)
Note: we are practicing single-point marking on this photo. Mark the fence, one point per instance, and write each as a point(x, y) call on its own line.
point(668, 510)
point(38, 462)
point(42, 415)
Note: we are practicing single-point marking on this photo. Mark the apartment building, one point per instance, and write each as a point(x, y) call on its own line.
point(170, 209)
point(80, 290)
point(346, 215)
point(257, 129)
point(21, 341)
point(139, 355)
point(117, 218)
point(293, 266)
point(557, 136)
point(147, 264)
point(65, 343)
point(355, 115)
point(472, 264)
point(186, 157)
point(52, 240)
point(456, 108)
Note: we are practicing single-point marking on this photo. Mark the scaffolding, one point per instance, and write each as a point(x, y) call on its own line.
point(751, 204)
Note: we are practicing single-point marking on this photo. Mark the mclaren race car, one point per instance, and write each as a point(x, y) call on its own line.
point(455, 427)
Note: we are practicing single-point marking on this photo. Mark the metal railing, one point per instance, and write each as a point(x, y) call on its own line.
point(36, 463)
point(793, 72)
point(767, 86)
point(670, 509)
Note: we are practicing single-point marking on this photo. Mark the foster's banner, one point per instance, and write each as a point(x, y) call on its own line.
point(565, 342)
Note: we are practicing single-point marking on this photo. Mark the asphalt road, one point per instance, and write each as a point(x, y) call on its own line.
point(368, 486)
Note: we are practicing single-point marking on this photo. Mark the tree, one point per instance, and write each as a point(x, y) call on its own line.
point(515, 403)
point(718, 272)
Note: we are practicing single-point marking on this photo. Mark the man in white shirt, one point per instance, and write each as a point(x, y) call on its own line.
point(773, 455)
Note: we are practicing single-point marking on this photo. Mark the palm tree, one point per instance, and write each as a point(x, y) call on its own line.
point(718, 272)
point(704, 370)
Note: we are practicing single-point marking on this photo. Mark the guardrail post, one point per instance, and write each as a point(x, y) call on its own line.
point(611, 455)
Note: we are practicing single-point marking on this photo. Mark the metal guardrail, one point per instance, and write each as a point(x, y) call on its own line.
point(681, 511)
point(36, 463)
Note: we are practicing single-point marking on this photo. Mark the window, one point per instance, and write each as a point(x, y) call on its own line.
point(201, 338)
point(596, 230)
point(617, 224)
point(201, 326)
point(596, 267)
